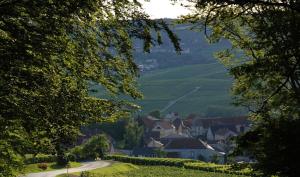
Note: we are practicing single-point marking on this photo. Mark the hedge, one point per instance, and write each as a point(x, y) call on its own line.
point(186, 163)
point(40, 158)
point(150, 161)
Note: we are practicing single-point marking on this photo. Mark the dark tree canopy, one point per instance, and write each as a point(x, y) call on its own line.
point(50, 51)
point(265, 62)
point(133, 134)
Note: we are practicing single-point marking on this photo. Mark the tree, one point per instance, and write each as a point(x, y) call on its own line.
point(96, 146)
point(133, 134)
point(265, 63)
point(272, 144)
point(51, 52)
point(155, 113)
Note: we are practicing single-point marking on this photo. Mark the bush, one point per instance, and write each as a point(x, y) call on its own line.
point(62, 160)
point(42, 166)
point(40, 158)
point(86, 174)
point(93, 148)
point(72, 157)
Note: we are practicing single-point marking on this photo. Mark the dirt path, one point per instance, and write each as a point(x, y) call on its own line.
point(171, 103)
point(85, 167)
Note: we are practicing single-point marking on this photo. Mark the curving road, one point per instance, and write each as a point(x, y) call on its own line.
point(85, 167)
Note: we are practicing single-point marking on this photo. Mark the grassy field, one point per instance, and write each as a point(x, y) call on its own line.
point(129, 170)
point(162, 86)
point(33, 168)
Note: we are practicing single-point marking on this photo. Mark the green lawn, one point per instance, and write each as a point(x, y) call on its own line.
point(33, 168)
point(129, 170)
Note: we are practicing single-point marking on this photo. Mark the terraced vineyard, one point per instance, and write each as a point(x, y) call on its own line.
point(164, 86)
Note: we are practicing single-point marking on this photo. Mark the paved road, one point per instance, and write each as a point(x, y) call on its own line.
point(171, 103)
point(85, 166)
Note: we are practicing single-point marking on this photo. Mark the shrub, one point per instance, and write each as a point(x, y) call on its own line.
point(86, 174)
point(42, 166)
point(93, 148)
point(72, 157)
point(40, 158)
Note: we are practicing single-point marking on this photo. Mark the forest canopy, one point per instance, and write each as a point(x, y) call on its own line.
point(265, 63)
point(50, 52)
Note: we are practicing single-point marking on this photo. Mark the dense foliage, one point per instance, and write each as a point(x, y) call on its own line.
point(51, 51)
point(40, 158)
point(265, 63)
point(133, 135)
point(95, 147)
point(125, 133)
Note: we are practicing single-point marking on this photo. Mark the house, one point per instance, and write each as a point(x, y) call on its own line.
point(180, 128)
point(221, 132)
point(194, 137)
point(172, 116)
point(185, 148)
point(144, 152)
point(147, 122)
point(156, 128)
point(191, 148)
point(164, 127)
point(217, 131)
point(154, 144)
point(224, 134)
point(179, 146)
point(217, 128)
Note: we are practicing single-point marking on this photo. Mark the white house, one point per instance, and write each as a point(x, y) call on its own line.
point(191, 148)
point(165, 128)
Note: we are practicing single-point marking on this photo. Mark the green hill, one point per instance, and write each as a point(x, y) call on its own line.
point(203, 89)
point(188, 83)
point(212, 97)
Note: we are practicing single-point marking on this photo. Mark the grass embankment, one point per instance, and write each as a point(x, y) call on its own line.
point(130, 170)
point(33, 168)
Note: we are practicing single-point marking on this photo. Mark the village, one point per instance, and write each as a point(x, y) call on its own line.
point(194, 137)
point(159, 88)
